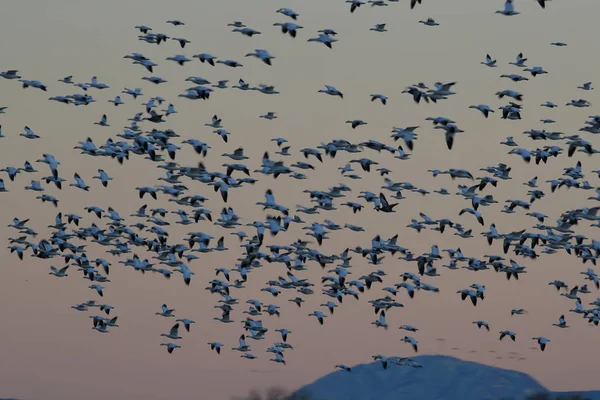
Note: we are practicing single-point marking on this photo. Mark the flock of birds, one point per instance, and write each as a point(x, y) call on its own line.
point(146, 228)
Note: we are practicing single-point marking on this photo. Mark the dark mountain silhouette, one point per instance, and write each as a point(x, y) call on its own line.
point(441, 378)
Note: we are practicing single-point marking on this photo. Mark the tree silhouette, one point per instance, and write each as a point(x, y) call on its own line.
point(274, 393)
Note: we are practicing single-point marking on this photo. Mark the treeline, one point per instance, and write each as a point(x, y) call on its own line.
point(274, 393)
point(546, 396)
point(278, 393)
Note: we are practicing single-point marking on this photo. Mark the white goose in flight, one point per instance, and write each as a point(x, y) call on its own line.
point(586, 86)
point(379, 28)
point(116, 101)
point(332, 91)
point(80, 184)
point(166, 311)
point(29, 134)
point(171, 346)
point(179, 59)
point(482, 323)
point(429, 22)
point(263, 55)
point(60, 273)
point(489, 61)
point(103, 176)
point(319, 315)
point(509, 9)
point(10, 74)
point(562, 323)
point(510, 334)
point(173, 333)
point(103, 121)
point(243, 347)
point(216, 346)
point(278, 359)
point(325, 39)
point(186, 323)
point(288, 13)
point(381, 321)
point(542, 341)
point(380, 97)
point(412, 341)
point(288, 27)
point(484, 108)
point(520, 61)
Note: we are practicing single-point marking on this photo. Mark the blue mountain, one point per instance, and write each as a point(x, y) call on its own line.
point(441, 378)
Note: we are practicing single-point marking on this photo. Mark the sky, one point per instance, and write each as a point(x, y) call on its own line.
point(51, 351)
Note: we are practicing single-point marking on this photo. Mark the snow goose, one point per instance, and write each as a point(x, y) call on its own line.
point(60, 273)
point(103, 121)
point(379, 28)
point(482, 323)
point(509, 9)
point(205, 57)
point(412, 341)
point(269, 115)
point(354, 4)
point(246, 31)
point(216, 346)
point(288, 27)
point(484, 108)
point(103, 176)
point(325, 39)
point(288, 13)
point(278, 359)
point(381, 322)
point(166, 311)
point(319, 315)
point(489, 61)
point(408, 328)
point(173, 333)
point(380, 97)
point(29, 134)
point(35, 84)
point(179, 59)
point(332, 91)
point(586, 86)
point(542, 341)
point(356, 122)
point(579, 103)
point(80, 184)
point(520, 61)
point(97, 288)
point(510, 334)
point(116, 101)
point(562, 323)
point(10, 74)
point(535, 71)
point(186, 323)
point(182, 41)
point(429, 22)
point(263, 55)
point(171, 346)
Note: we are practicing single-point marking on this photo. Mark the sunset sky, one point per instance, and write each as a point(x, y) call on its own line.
point(49, 351)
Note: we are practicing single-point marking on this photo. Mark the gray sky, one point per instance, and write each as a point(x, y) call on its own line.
point(50, 350)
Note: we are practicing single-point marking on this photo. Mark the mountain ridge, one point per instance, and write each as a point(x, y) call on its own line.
point(441, 378)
